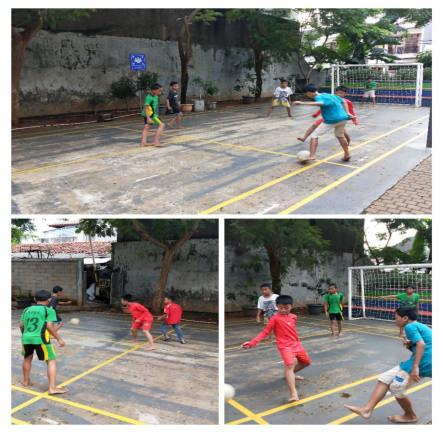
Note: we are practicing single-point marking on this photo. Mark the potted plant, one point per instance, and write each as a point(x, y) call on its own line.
point(23, 299)
point(249, 82)
point(248, 310)
point(316, 308)
point(199, 104)
point(209, 89)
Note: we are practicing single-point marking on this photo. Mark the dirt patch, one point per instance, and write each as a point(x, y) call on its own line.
point(345, 395)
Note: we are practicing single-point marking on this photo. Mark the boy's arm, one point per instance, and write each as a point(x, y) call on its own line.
point(22, 326)
point(386, 297)
point(317, 113)
point(65, 302)
point(53, 332)
point(150, 122)
point(259, 311)
point(260, 336)
point(420, 347)
point(326, 309)
point(162, 317)
point(318, 104)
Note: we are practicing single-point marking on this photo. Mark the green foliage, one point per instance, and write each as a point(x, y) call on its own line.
point(146, 80)
point(320, 288)
point(207, 16)
point(124, 88)
point(427, 74)
point(207, 86)
point(96, 99)
point(425, 57)
point(250, 83)
point(25, 18)
point(21, 229)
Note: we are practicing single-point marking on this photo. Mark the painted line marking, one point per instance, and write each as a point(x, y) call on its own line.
point(301, 170)
point(80, 406)
point(247, 412)
point(19, 422)
point(382, 403)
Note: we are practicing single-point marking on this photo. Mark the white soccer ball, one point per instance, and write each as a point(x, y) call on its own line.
point(229, 392)
point(74, 321)
point(302, 155)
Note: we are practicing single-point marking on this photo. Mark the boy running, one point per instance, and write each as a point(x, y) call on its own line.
point(172, 316)
point(281, 97)
point(370, 87)
point(288, 342)
point(173, 106)
point(150, 116)
point(36, 327)
point(56, 292)
point(334, 308)
point(266, 305)
point(400, 378)
point(141, 318)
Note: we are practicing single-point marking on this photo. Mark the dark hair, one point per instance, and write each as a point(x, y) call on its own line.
point(172, 83)
point(342, 88)
point(369, 78)
point(265, 285)
point(171, 297)
point(127, 297)
point(312, 88)
point(156, 86)
point(284, 300)
point(412, 286)
point(283, 80)
point(57, 289)
point(332, 285)
point(410, 312)
point(42, 295)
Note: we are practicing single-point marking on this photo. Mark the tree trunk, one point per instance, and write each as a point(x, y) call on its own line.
point(159, 293)
point(258, 55)
point(274, 268)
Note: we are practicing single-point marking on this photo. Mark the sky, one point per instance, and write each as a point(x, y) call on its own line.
point(372, 227)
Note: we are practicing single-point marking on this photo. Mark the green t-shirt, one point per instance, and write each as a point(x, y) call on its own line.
point(152, 102)
point(406, 301)
point(35, 319)
point(370, 85)
point(334, 302)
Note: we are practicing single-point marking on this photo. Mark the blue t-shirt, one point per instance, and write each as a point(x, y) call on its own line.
point(415, 332)
point(332, 109)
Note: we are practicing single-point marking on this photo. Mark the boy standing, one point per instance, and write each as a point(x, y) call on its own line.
point(334, 308)
point(370, 87)
point(266, 305)
point(172, 316)
point(36, 327)
point(173, 105)
point(281, 97)
point(288, 342)
point(335, 113)
point(150, 116)
point(400, 378)
point(56, 292)
point(141, 318)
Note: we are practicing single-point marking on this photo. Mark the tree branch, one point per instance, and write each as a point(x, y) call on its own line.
point(137, 227)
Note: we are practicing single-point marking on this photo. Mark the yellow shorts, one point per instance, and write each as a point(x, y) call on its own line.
point(285, 104)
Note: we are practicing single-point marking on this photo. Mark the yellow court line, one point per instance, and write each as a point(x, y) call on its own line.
point(346, 177)
point(301, 170)
point(382, 403)
point(89, 158)
point(80, 406)
point(307, 399)
point(79, 376)
point(19, 421)
point(247, 412)
point(340, 164)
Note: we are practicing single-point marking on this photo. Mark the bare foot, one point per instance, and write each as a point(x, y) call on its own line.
point(294, 398)
point(171, 126)
point(309, 158)
point(364, 413)
point(25, 382)
point(180, 127)
point(267, 115)
point(147, 144)
point(332, 336)
point(301, 139)
point(340, 334)
point(346, 158)
point(134, 341)
point(349, 143)
point(403, 418)
point(290, 115)
point(158, 145)
point(57, 390)
point(150, 348)
point(297, 377)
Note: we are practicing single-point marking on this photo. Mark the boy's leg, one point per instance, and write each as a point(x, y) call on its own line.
point(134, 335)
point(290, 380)
point(340, 327)
point(344, 145)
point(26, 367)
point(332, 324)
point(158, 133)
point(348, 137)
point(179, 121)
point(271, 109)
point(288, 109)
point(377, 395)
point(171, 123)
point(164, 331)
point(308, 132)
point(408, 416)
point(152, 345)
point(145, 135)
point(52, 376)
point(299, 366)
point(178, 331)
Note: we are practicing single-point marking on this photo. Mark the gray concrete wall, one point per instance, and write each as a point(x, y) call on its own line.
point(335, 269)
point(38, 274)
point(193, 277)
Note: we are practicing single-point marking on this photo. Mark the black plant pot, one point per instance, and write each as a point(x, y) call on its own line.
point(249, 311)
point(23, 303)
point(315, 309)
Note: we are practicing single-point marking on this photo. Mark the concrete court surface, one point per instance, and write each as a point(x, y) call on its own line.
point(232, 161)
point(176, 384)
point(343, 371)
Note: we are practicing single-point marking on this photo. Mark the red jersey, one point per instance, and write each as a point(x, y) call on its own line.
point(350, 107)
point(173, 313)
point(139, 312)
point(284, 330)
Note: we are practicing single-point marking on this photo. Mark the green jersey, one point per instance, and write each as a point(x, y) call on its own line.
point(335, 302)
point(35, 319)
point(152, 103)
point(407, 301)
point(370, 85)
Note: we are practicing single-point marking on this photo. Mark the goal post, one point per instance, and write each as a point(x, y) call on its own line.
point(397, 83)
point(373, 290)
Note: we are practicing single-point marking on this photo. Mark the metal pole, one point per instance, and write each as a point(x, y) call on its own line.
point(139, 91)
point(349, 294)
point(429, 139)
point(93, 258)
point(362, 285)
point(332, 79)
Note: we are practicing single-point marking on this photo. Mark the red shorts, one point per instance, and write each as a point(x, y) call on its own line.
point(144, 324)
point(289, 356)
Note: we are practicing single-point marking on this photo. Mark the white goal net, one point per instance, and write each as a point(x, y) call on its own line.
point(375, 292)
point(395, 83)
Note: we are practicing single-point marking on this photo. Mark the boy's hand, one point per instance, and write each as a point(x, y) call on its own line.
point(61, 342)
point(414, 374)
point(245, 345)
point(406, 343)
point(258, 319)
point(351, 116)
point(327, 314)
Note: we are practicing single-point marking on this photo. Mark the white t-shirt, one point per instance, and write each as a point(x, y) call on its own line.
point(268, 305)
point(282, 95)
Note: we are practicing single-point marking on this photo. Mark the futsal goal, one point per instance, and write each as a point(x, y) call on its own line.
point(370, 285)
point(397, 83)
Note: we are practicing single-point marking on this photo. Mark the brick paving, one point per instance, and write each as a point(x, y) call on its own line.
point(410, 195)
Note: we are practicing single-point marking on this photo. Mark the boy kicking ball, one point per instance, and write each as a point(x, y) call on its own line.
point(334, 309)
point(141, 318)
point(288, 342)
point(36, 326)
point(400, 378)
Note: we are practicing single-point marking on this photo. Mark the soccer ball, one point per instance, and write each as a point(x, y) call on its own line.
point(74, 321)
point(302, 155)
point(229, 392)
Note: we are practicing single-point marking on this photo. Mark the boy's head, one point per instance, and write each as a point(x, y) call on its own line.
point(126, 299)
point(332, 288)
point(284, 83)
point(341, 91)
point(42, 297)
point(57, 290)
point(174, 85)
point(265, 289)
point(310, 90)
point(156, 89)
point(168, 299)
point(410, 288)
point(405, 314)
point(369, 79)
point(284, 304)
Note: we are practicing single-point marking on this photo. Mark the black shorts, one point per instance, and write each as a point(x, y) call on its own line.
point(45, 352)
point(174, 110)
point(336, 316)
